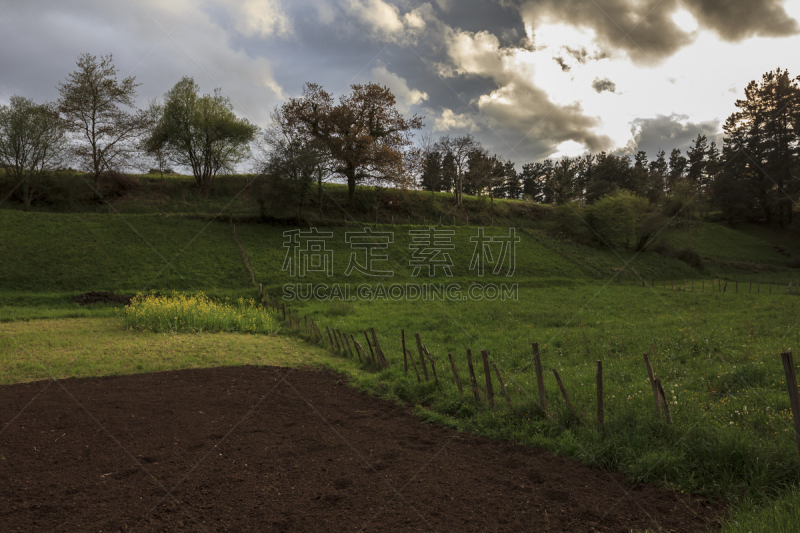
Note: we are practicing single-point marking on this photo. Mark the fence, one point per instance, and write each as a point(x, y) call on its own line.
point(346, 344)
point(718, 285)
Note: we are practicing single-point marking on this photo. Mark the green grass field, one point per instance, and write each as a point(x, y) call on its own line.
point(717, 354)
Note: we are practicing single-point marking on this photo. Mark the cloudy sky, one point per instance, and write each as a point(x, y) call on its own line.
point(529, 78)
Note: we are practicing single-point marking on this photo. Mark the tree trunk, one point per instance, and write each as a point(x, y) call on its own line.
point(351, 185)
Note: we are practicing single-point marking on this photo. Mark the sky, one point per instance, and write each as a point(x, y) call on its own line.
point(530, 79)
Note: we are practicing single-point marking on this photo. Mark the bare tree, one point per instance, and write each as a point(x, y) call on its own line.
point(93, 103)
point(292, 161)
point(460, 149)
point(33, 140)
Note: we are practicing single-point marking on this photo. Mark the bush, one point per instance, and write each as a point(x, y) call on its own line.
point(197, 313)
point(691, 258)
point(616, 218)
point(570, 222)
point(118, 184)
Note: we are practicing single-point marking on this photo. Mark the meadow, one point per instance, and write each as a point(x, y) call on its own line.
point(717, 354)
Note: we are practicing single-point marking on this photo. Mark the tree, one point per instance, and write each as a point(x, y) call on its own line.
point(292, 163)
point(459, 150)
point(657, 172)
point(33, 139)
point(562, 183)
point(364, 133)
point(479, 171)
point(677, 168)
point(159, 155)
point(200, 132)
point(93, 104)
point(762, 147)
point(431, 179)
point(512, 184)
point(696, 160)
point(617, 219)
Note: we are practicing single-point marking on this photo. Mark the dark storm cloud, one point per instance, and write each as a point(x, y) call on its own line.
point(562, 63)
point(603, 85)
point(646, 31)
point(668, 132)
point(46, 38)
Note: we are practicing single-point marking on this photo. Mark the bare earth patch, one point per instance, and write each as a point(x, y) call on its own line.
point(275, 449)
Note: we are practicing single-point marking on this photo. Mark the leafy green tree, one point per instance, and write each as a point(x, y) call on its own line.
point(512, 184)
point(93, 103)
point(431, 179)
point(33, 140)
point(449, 172)
point(697, 162)
point(658, 170)
point(677, 168)
point(609, 172)
point(762, 147)
point(200, 132)
point(616, 218)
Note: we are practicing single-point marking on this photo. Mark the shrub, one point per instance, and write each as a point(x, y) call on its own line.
point(571, 223)
point(691, 258)
point(197, 313)
point(616, 217)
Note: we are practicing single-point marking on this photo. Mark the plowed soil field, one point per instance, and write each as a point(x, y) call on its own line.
point(275, 449)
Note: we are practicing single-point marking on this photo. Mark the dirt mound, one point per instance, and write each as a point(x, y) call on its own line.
point(101, 297)
point(274, 449)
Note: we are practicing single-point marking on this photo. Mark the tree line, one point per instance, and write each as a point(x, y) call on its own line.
point(363, 138)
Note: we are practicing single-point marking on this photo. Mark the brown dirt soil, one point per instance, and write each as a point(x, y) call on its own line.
point(274, 449)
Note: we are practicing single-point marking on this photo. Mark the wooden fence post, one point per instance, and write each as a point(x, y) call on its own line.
point(664, 400)
point(414, 365)
point(421, 357)
point(358, 348)
point(599, 377)
point(455, 373)
point(791, 384)
point(502, 385)
point(488, 373)
point(337, 335)
point(330, 337)
point(347, 342)
point(563, 390)
point(433, 365)
point(372, 353)
point(472, 376)
point(384, 363)
point(652, 378)
point(537, 364)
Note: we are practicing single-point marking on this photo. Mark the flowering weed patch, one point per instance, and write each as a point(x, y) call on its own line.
point(197, 313)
